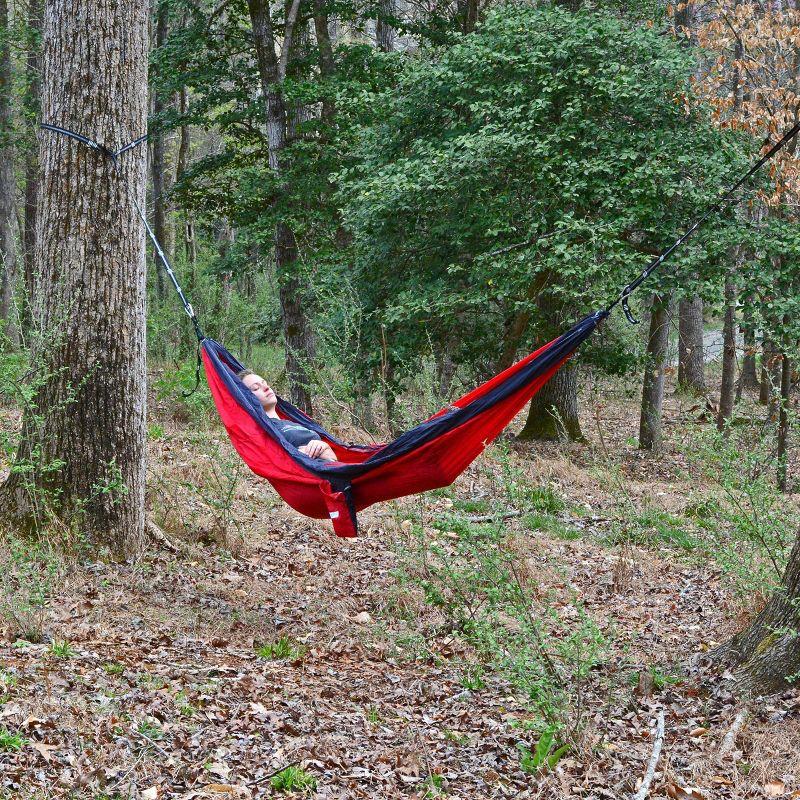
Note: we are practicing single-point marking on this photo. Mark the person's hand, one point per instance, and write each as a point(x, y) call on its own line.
point(314, 449)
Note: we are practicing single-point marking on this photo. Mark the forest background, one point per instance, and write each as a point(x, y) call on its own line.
point(380, 204)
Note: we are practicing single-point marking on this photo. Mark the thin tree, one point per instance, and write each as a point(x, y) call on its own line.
point(272, 72)
point(650, 427)
point(81, 458)
point(8, 188)
point(691, 367)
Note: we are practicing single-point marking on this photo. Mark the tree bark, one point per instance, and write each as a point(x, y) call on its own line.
point(748, 378)
point(783, 423)
point(691, 369)
point(83, 434)
point(158, 167)
point(766, 655)
point(32, 106)
point(384, 32)
point(184, 151)
point(553, 412)
point(727, 391)
point(8, 188)
point(650, 428)
point(296, 329)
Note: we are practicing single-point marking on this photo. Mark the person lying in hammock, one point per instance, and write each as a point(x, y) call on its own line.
point(302, 438)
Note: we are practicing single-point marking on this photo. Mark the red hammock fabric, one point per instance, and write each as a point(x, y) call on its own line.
point(427, 457)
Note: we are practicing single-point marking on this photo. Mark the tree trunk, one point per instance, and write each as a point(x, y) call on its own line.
point(32, 107)
point(650, 429)
point(783, 423)
point(158, 167)
point(553, 413)
point(767, 368)
point(184, 150)
point(468, 14)
point(766, 656)
point(8, 188)
point(748, 377)
point(296, 328)
point(384, 32)
point(691, 369)
point(727, 389)
point(83, 434)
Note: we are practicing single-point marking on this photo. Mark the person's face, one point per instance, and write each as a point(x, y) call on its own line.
point(259, 387)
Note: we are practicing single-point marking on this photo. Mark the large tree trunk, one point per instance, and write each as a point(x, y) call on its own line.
point(32, 106)
point(727, 391)
point(83, 435)
point(8, 188)
point(766, 655)
point(553, 412)
point(296, 328)
point(691, 372)
point(650, 428)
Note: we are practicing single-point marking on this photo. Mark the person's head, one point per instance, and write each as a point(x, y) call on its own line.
point(259, 387)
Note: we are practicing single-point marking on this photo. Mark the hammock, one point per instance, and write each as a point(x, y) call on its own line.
point(426, 457)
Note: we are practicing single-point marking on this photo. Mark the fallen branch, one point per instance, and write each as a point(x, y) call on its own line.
point(730, 737)
point(158, 535)
point(644, 789)
point(493, 517)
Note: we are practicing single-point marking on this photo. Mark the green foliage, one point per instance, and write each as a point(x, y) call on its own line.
point(548, 148)
point(746, 519)
point(30, 573)
point(62, 649)
point(545, 755)
point(10, 742)
point(543, 645)
point(293, 779)
point(281, 649)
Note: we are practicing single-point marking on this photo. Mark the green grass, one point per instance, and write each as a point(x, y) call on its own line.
point(10, 742)
point(62, 649)
point(652, 528)
point(551, 525)
point(113, 668)
point(282, 649)
point(150, 730)
point(293, 779)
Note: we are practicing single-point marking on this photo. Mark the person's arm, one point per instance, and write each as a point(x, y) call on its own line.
point(316, 448)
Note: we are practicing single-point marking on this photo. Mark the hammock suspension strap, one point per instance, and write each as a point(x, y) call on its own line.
point(724, 200)
point(113, 156)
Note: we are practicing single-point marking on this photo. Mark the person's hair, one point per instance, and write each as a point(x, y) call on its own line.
point(243, 373)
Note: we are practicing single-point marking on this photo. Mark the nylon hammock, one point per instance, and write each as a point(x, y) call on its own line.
point(426, 457)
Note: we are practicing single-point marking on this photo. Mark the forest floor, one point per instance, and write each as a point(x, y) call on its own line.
point(263, 641)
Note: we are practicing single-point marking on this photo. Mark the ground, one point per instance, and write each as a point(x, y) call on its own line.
point(263, 641)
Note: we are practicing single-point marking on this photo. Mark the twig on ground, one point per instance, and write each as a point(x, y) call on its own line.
point(730, 737)
point(492, 517)
point(273, 774)
point(152, 743)
point(644, 789)
point(158, 535)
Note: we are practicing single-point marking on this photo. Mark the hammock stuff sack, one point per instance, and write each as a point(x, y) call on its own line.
point(426, 457)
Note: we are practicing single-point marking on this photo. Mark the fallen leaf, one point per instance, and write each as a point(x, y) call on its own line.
point(697, 732)
point(43, 749)
point(363, 618)
point(774, 788)
point(150, 794)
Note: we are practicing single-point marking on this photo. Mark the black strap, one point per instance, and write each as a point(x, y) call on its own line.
point(113, 155)
point(723, 200)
